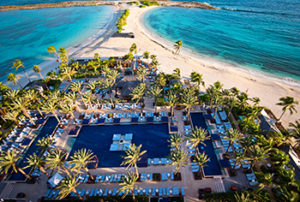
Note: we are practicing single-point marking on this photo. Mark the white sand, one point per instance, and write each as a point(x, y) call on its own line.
point(269, 90)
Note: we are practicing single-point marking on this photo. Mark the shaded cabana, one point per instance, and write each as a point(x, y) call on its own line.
point(126, 85)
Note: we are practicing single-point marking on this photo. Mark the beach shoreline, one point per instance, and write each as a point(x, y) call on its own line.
point(50, 64)
point(268, 89)
point(167, 44)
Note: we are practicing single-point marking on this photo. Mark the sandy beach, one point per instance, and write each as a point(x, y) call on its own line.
point(269, 90)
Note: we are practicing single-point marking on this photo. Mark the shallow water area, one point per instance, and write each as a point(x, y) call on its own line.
point(26, 34)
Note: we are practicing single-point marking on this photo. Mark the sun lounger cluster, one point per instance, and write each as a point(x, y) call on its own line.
point(245, 164)
point(115, 118)
point(252, 179)
point(18, 140)
point(121, 142)
point(158, 161)
point(93, 192)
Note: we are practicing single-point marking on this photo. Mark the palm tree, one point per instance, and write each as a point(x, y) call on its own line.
point(201, 159)
point(34, 162)
point(264, 179)
point(177, 46)
point(71, 97)
point(239, 159)
point(32, 97)
point(189, 99)
point(63, 55)
point(138, 92)
point(295, 128)
point(81, 159)
point(141, 74)
point(17, 64)
point(51, 49)
point(197, 136)
point(68, 108)
point(133, 48)
point(55, 160)
point(178, 158)
point(14, 79)
point(233, 136)
point(243, 197)
point(21, 104)
point(146, 55)
point(197, 78)
point(133, 155)
point(51, 107)
point(13, 116)
point(67, 72)
point(155, 92)
point(172, 101)
point(93, 86)
point(177, 73)
point(37, 69)
point(175, 140)
point(11, 94)
point(76, 87)
point(44, 143)
point(68, 185)
point(8, 162)
point(257, 154)
point(287, 103)
point(128, 185)
point(88, 98)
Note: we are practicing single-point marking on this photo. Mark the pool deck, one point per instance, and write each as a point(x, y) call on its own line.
point(217, 184)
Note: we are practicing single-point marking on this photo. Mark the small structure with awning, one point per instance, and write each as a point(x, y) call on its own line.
point(55, 180)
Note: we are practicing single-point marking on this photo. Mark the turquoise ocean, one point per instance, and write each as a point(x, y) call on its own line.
point(26, 34)
point(260, 35)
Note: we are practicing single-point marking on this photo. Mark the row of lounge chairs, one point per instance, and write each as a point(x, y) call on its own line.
point(245, 164)
point(162, 191)
point(158, 161)
point(252, 179)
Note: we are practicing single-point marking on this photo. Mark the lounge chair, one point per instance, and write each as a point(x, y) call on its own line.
point(114, 193)
point(160, 193)
point(182, 191)
point(105, 192)
point(153, 191)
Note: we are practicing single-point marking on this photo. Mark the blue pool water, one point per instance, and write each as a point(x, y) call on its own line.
point(153, 138)
point(47, 130)
point(26, 34)
point(212, 167)
point(261, 35)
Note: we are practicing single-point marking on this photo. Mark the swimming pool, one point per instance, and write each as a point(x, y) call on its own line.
point(212, 167)
point(46, 130)
point(153, 138)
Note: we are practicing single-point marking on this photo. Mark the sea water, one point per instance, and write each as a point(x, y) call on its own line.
point(26, 34)
point(263, 35)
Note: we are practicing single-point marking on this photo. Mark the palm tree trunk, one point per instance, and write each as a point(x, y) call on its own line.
point(17, 122)
point(41, 75)
point(91, 176)
point(136, 170)
point(38, 109)
point(27, 115)
point(23, 172)
point(133, 196)
point(43, 171)
point(55, 115)
point(26, 75)
point(216, 108)
point(20, 85)
point(66, 171)
point(281, 115)
point(78, 195)
point(228, 147)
